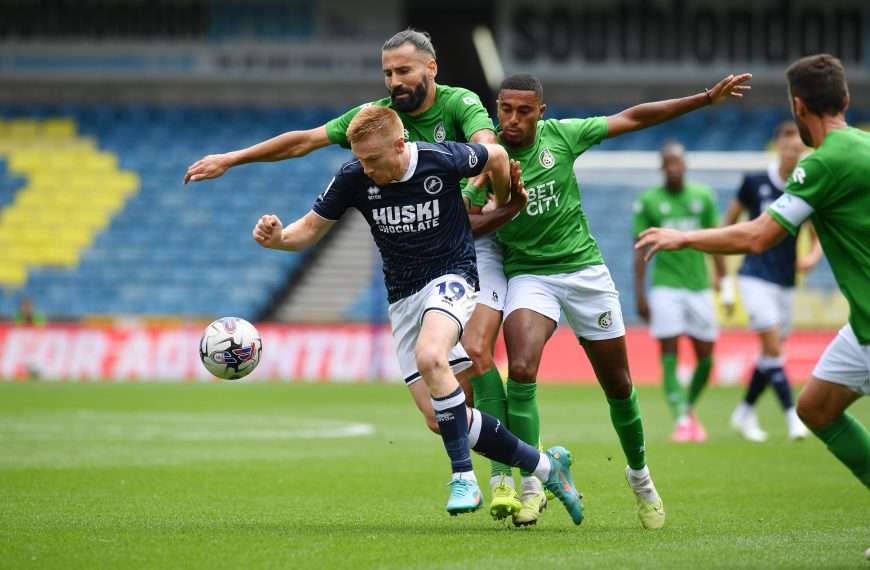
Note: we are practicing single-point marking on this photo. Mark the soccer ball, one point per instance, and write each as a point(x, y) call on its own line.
point(230, 348)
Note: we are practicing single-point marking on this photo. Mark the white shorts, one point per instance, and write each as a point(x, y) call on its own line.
point(588, 297)
point(769, 305)
point(490, 268)
point(450, 294)
point(846, 362)
point(675, 312)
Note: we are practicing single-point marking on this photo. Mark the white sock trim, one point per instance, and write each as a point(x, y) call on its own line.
point(766, 363)
point(446, 403)
point(542, 470)
point(467, 475)
point(642, 473)
point(474, 428)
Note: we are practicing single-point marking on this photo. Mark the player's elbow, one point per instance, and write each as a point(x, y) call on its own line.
point(765, 232)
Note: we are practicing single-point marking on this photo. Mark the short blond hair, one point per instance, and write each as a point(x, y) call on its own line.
point(374, 120)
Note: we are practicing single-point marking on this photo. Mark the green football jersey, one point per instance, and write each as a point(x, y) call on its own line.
point(551, 235)
point(455, 115)
point(476, 196)
point(832, 188)
point(693, 208)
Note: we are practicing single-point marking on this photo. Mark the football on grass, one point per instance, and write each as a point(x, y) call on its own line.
point(230, 348)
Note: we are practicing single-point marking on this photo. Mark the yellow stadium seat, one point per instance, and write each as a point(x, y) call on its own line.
point(59, 128)
point(72, 191)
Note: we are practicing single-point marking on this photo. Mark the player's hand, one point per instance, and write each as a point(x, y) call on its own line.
point(519, 196)
point(731, 86)
point(643, 308)
point(210, 166)
point(805, 264)
point(268, 230)
point(660, 239)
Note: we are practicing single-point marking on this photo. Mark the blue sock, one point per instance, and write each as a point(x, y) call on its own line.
point(780, 384)
point(756, 386)
point(450, 412)
point(490, 438)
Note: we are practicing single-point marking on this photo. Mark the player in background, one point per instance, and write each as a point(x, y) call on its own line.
point(554, 265)
point(767, 287)
point(421, 228)
point(680, 299)
point(831, 187)
point(432, 113)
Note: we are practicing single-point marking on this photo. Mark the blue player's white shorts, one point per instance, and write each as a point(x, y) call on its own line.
point(490, 268)
point(587, 297)
point(769, 305)
point(675, 312)
point(449, 294)
point(846, 362)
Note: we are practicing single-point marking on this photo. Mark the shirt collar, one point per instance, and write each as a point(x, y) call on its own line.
point(412, 164)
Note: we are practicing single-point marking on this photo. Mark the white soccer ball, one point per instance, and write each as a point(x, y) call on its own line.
point(230, 348)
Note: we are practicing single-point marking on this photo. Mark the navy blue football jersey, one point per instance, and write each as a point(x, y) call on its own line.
point(419, 223)
point(776, 265)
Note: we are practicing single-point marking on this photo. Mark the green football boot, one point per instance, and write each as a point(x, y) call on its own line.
point(650, 512)
point(505, 502)
point(533, 505)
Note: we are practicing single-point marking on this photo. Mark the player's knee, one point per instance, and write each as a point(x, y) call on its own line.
point(812, 414)
point(481, 358)
point(430, 361)
point(523, 369)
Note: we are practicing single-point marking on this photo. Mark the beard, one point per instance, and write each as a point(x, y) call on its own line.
point(415, 97)
point(804, 132)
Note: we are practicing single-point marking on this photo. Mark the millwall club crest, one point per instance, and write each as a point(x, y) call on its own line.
point(547, 159)
point(440, 134)
point(432, 185)
point(605, 320)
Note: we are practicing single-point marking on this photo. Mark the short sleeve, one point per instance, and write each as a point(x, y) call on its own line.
point(710, 216)
point(804, 194)
point(642, 220)
point(335, 200)
point(744, 193)
point(468, 159)
point(583, 133)
point(471, 114)
point(336, 129)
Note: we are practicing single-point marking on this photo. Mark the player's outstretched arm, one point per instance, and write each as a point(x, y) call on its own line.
point(498, 169)
point(301, 234)
point(291, 144)
point(754, 236)
point(649, 114)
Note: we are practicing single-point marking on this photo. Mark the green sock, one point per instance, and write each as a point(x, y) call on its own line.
point(849, 441)
point(490, 398)
point(625, 415)
point(674, 394)
point(700, 378)
point(524, 419)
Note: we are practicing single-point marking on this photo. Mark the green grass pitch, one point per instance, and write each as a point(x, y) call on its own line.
point(326, 476)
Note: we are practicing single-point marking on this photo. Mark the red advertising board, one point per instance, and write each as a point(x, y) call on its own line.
point(330, 353)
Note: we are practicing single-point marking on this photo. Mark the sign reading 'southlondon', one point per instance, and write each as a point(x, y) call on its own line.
point(556, 36)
